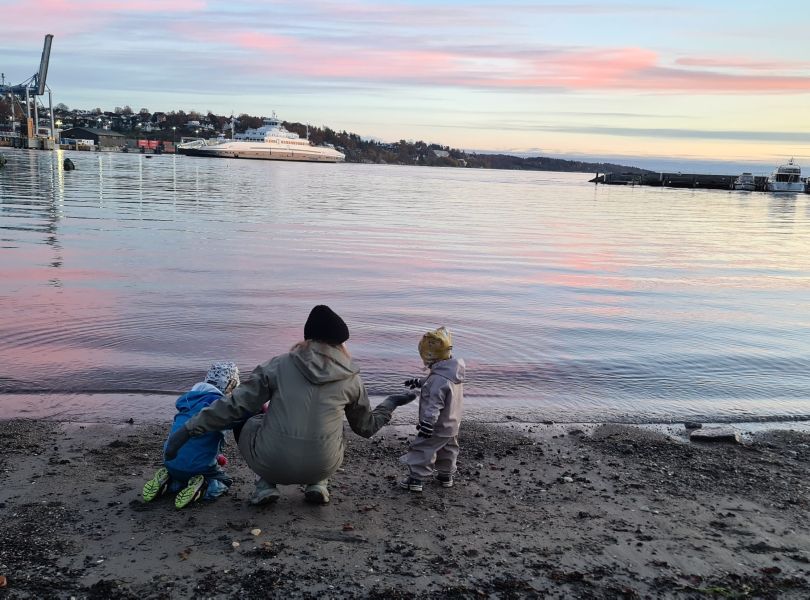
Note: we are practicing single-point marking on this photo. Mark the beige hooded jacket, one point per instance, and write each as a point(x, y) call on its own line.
point(300, 438)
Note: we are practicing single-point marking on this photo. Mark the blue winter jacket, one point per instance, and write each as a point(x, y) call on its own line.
point(199, 453)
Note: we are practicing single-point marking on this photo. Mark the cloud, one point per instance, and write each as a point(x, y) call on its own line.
point(440, 45)
point(450, 15)
point(703, 134)
point(363, 45)
point(485, 67)
point(646, 132)
point(742, 63)
point(24, 18)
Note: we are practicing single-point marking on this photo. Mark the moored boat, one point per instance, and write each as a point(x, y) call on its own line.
point(786, 178)
point(271, 141)
point(745, 182)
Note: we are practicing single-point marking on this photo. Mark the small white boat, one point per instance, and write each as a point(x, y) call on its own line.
point(786, 178)
point(745, 183)
point(271, 141)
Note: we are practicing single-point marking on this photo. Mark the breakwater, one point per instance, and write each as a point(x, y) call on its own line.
point(676, 180)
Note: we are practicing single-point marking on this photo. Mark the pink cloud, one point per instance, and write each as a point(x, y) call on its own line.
point(358, 43)
point(590, 68)
point(741, 63)
point(294, 57)
point(670, 79)
point(388, 65)
point(619, 69)
point(21, 18)
point(261, 41)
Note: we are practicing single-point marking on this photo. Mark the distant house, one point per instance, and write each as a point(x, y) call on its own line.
point(441, 153)
point(103, 138)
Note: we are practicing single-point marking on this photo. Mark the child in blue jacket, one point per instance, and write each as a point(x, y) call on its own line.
point(195, 472)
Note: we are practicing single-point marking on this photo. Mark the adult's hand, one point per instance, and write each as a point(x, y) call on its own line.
point(402, 399)
point(413, 383)
point(176, 441)
point(396, 400)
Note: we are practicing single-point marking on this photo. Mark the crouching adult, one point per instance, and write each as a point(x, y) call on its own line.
point(299, 439)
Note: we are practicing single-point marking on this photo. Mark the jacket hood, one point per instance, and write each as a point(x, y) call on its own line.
point(322, 363)
point(200, 396)
point(452, 369)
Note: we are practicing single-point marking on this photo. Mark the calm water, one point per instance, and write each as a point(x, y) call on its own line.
point(128, 276)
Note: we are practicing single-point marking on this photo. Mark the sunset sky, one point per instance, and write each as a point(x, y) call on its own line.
point(693, 80)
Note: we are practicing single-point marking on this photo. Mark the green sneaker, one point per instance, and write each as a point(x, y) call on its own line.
point(191, 493)
point(156, 486)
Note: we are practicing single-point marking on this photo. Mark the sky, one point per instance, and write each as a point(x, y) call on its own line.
point(656, 84)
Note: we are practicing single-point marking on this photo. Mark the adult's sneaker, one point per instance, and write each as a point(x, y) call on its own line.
point(156, 486)
point(264, 493)
point(317, 493)
point(411, 484)
point(191, 493)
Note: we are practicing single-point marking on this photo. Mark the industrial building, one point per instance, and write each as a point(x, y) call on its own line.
point(102, 138)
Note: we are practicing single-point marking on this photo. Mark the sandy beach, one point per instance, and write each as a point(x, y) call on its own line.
point(559, 511)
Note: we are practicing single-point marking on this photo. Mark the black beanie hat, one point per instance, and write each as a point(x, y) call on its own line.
point(325, 325)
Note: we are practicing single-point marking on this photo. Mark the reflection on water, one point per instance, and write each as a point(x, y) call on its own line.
point(568, 300)
point(782, 207)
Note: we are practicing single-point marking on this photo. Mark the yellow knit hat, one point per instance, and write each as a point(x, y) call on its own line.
point(435, 345)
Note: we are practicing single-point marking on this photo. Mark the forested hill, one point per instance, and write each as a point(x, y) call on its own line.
point(545, 163)
point(404, 152)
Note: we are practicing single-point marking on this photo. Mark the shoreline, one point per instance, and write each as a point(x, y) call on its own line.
point(110, 407)
point(592, 511)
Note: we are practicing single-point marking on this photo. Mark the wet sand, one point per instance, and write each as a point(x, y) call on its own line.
point(556, 511)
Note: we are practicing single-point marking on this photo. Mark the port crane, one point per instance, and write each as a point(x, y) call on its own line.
point(25, 97)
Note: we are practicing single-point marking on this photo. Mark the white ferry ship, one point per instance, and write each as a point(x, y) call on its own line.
point(271, 141)
point(786, 178)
